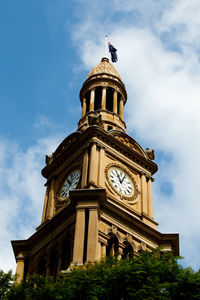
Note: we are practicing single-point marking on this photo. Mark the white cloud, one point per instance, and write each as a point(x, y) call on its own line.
point(21, 192)
point(159, 63)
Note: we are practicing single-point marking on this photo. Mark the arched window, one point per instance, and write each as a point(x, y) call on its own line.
point(53, 263)
point(66, 255)
point(42, 267)
point(128, 251)
point(113, 246)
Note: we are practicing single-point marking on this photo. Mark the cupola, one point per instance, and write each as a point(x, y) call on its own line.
point(103, 96)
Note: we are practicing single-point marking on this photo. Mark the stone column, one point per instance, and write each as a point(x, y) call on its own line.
point(150, 200)
point(79, 236)
point(85, 169)
point(121, 108)
point(50, 208)
point(92, 242)
point(92, 93)
point(20, 268)
point(45, 204)
point(83, 108)
point(144, 194)
point(103, 250)
point(93, 164)
point(103, 99)
point(101, 180)
point(115, 101)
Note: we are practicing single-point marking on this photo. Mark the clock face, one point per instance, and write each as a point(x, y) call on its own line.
point(70, 183)
point(121, 181)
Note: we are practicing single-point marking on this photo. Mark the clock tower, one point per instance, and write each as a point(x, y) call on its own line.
point(98, 198)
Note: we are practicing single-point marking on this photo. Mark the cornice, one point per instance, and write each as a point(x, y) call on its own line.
point(67, 149)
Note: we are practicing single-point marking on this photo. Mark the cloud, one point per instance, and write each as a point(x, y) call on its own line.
point(21, 192)
point(159, 63)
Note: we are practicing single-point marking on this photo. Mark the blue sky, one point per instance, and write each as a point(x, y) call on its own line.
point(47, 49)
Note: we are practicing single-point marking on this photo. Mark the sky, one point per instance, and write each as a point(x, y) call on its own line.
point(47, 49)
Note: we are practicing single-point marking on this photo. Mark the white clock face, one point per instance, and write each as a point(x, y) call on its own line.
point(121, 181)
point(70, 183)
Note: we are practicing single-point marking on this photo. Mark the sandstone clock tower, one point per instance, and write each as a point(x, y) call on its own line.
point(98, 191)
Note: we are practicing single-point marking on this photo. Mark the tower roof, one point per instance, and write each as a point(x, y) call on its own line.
point(104, 67)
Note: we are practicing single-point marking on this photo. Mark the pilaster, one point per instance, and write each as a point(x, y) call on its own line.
point(92, 242)
point(20, 268)
point(79, 236)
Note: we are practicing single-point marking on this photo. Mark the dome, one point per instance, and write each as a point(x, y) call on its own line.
point(104, 67)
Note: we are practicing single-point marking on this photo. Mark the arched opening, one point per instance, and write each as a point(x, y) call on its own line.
point(109, 99)
point(118, 101)
point(66, 255)
point(87, 97)
point(128, 251)
point(53, 263)
point(97, 98)
point(42, 267)
point(113, 246)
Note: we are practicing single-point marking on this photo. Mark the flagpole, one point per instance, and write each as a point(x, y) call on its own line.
point(106, 46)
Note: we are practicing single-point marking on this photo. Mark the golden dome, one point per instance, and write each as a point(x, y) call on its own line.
point(104, 67)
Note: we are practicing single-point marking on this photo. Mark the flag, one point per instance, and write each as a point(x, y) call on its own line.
point(113, 53)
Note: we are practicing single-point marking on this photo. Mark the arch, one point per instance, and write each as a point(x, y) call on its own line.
point(41, 266)
point(128, 251)
point(112, 247)
point(53, 259)
point(66, 254)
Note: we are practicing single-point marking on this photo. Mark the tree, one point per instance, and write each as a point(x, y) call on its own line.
point(152, 275)
point(6, 281)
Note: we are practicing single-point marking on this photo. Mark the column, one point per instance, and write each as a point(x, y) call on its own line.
point(79, 236)
point(115, 101)
point(144, 194)
point(101, 167)
point(121, 108)
point(19, 269)
point(92, 93)
point(92, 242)
point(85, 169)
point(83, 108)
point(93, 164)
point(103, 250)
point(103, 99)
point(45, 204)
point(50, 208)
point(150, 200)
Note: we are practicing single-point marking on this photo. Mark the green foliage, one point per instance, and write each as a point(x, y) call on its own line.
point(6, 281)
point(150, 276)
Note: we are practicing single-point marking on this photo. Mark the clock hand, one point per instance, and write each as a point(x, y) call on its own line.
point(123, 178)
point(69, 182)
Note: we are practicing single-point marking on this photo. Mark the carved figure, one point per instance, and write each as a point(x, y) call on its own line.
point(150, 153)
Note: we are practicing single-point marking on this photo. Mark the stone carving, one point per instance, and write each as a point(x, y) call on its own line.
point(95, 120)
point(114, 230)
point(126, 142)
point(143, 246)
point(150, 153)
point(49, 159)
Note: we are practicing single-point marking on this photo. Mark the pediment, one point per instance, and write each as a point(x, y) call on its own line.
point(128, 141)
